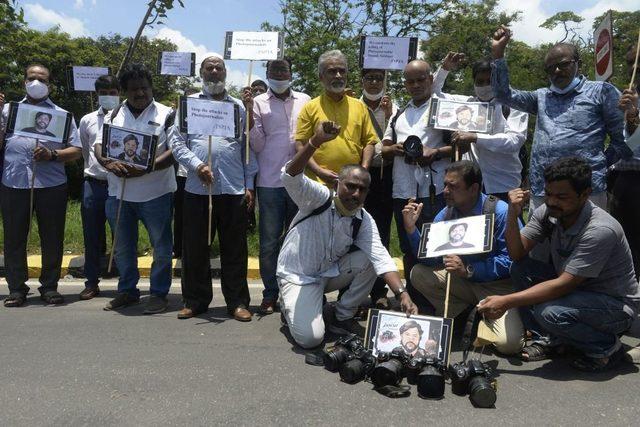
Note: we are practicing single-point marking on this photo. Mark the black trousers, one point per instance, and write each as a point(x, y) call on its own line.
point(229, 219)
point(178, 199)
point(625, 207)
point(379, 204)
point(50, 207)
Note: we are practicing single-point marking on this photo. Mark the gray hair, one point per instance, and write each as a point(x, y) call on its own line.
point(330, 54)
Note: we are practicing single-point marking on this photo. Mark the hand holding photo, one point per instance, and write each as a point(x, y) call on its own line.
point(462, 116)
point(463, 236)
point(41, 123)
point(129, 146)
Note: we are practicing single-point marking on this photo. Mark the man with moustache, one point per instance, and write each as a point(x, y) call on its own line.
point(42, 121)
point(456, 238)
point(410, 336)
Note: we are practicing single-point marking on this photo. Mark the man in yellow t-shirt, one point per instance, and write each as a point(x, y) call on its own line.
point(355, 142)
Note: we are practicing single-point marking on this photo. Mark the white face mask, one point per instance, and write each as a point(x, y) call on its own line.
point(36, 89)
point(108, 102)
point(484, 93)
point(213, 88)
point(279, 86)
point(372, 96)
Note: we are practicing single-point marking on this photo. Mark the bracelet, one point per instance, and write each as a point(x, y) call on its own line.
point(311, 144)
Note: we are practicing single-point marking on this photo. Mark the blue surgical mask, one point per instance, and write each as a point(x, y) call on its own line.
point(279, 86)
point(571, 86)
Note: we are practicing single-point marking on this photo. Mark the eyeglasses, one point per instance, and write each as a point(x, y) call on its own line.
point(371, 79)
point(562, 66)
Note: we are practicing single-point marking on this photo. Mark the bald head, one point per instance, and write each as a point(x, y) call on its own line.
point(417, 65)
point(418, 80)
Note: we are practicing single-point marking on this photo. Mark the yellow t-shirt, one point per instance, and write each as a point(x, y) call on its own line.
point(356, 131)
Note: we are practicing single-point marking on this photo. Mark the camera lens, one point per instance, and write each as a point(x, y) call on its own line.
point(481, 393)
point(387, 373)
point(430, 383)
point(352, 372)
point(335, 358)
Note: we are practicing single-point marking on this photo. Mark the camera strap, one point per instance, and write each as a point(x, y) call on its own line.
point(467, 340)
point(393, 391)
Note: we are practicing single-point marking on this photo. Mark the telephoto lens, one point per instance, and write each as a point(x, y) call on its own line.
point(431, 382)
point(387, 373)
point(481, 392)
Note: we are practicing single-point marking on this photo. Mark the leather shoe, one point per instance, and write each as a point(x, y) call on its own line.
point(88, 293)
point(187, 313)
point(268, 306)
point(242, 314)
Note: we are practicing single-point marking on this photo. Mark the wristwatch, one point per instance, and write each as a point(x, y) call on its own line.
point(54, 156)
point(400, 290)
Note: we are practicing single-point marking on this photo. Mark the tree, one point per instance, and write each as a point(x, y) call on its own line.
point(12, 30)
point(568, 20)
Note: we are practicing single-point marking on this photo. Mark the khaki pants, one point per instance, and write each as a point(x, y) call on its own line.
point(432, 283)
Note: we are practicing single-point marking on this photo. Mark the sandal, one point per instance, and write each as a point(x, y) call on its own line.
point(535, 352)
point(598, 364)
point(15, 300)
point(52, 297)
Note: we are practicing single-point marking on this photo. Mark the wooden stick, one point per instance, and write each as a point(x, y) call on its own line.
point(456, 153)
point(246, 130)
point(635, 65)
point(446, 298)
point(31, 192)
point(115, 232)
point(210, 196)
point(384, 90)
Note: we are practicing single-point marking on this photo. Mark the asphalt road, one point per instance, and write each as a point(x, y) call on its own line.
point(79, 365)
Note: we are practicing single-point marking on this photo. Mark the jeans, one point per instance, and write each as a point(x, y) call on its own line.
point(625, 207)
point(276, 212)
point(155, 214)
point(588, 321)
point(94, 196)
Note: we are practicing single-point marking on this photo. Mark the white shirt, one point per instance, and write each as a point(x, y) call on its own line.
point(150, 185)
point(312, 248)
point(409, 179)
point(381, 119)
point(496, 152)
point(90, 127)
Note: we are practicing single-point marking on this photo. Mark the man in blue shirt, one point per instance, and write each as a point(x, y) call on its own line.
point(574, 115)
point(473, 277)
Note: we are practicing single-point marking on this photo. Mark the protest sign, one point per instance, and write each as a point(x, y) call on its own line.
point(83, 79)
point(253, 45)
point(207, 117)
point(40, 123)
point(387, 53)
point(177, 63)
point(603, 38)
point(462, 236)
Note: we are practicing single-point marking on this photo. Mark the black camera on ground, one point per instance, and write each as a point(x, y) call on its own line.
point(390, 369)
point(345, 349)
point(358, 369)
point(475, 379)
point(428, 374)
point(412, 147)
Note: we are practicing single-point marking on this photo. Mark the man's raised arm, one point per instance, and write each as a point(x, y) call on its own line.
point(324, 131)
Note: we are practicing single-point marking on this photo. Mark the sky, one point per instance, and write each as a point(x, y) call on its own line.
point(201, 26)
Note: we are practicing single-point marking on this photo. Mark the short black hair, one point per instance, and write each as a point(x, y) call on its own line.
point(366, 71)
point(470, 172)
point(134, 72)
point(106, 82)
point(42, 113)
point(131, 137)
point(462, 108)
point(284, 59)
point(480, 66)
point(573, 169)
point(259, 82)
point(410, 324)
point(573, 48)
point(464, 224)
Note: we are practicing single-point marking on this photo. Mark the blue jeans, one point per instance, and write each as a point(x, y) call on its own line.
point(155, 214)
point(276, 212)
point(94, 196)
point(588, 321)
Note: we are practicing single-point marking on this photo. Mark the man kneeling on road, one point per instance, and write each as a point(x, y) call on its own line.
point(472, 276)
point(332, 244)
point(588, 295)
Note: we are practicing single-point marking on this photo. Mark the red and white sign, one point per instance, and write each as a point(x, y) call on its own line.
point(603, 38)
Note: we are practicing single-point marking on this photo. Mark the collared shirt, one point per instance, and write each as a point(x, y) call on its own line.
point(486, 267)
point(594, 248)
point(355, 134)
point(633, 140)
point(150, 185)
point(312, 248)
point(381, 120)
point(496, 152)
point(272, 133)
point(230, 173)
point(573, 124)
point(409, 179)
point(18, 156)
point(90, 126)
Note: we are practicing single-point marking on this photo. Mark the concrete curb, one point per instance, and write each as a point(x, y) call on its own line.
point(73, 265)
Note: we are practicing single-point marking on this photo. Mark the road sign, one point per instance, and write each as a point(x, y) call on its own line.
point(604, 49)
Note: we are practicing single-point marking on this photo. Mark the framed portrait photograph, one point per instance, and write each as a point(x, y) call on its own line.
point(462, 236)
point(416, 336)
point(132, 147)
point(463, 116)
point(38, 122)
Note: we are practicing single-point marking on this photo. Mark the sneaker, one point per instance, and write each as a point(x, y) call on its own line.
point(88, 293)
point(155, 304)
point(342, 327)
point(121, 300)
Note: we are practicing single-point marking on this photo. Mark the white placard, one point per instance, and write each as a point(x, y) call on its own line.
point(603, 41)
point(206, 117)
point(84, 78)
point(176, 63)
point(254, 45)
point(386, 53)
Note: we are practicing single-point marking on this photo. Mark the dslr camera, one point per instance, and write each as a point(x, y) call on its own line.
point(390, 369)
point(346, 349)
point(475, 379)
point(428, 374)
point(412, 147)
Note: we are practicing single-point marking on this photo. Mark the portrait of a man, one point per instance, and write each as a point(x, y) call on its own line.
point(410, 336)
point(464, 118)
point(130, 150)
point(456, 238)
point(41, 123)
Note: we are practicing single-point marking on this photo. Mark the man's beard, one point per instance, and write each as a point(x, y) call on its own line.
point(406, 348)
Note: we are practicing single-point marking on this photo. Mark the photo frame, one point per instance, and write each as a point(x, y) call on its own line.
point(462, 236)
point(41, 123)
point(448, 114)
point(209, 117)
point(82, 78)
point(118, 144)
point(417, 335)
point(176, 64)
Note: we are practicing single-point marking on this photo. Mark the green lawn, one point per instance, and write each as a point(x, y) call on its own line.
point(73, 242)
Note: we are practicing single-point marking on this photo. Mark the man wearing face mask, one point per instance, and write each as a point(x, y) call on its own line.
point(496, 152)
point(275, 114)
point(332, 244)
point(232, 183)
point(94, 188)
point(573, 115)
point(355, 143)
point(147, 196)
point(50, 196)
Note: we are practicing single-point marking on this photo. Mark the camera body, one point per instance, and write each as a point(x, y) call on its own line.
point(412, 147)
point(475, 379)
point(428, 374)
point(345, 349)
